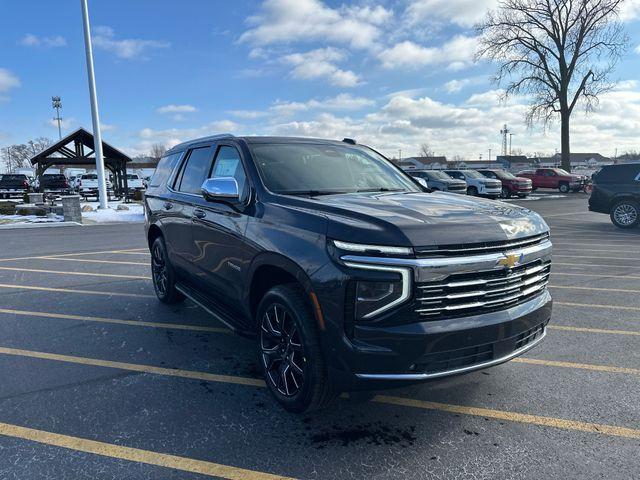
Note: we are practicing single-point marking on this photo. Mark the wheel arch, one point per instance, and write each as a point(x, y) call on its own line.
point(269, 270)
point(623, 197)
point(153, 233)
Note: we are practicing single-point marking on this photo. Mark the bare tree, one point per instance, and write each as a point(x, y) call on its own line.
point(157, 151)
point(18, 156)
point(425, 150)
point(557, 52)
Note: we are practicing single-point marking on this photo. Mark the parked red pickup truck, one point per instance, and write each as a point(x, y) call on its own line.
point(556, 178)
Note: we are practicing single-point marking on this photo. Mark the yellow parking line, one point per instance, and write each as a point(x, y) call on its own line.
point(88, 260)
point(135, 454)
point(596, 289)
point(136, 323)
point(595, 265)
point(581, 366)
point(512, 417)
point(593, 330)
point(566, 255)
point(611, 275)
point(132, 251)
point(58, 272)
point(254, 382)
point(73, 290)
point(596, 305)
point(194, 375)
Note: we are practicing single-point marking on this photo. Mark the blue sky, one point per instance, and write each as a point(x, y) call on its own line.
point(393, 74)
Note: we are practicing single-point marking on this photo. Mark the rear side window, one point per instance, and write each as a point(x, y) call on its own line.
point(164, 169)
point(195, 171)
point(619, 174)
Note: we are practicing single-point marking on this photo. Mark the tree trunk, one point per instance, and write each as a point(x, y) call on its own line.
point(565, 145)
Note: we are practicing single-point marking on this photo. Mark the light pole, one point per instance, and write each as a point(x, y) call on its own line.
point(95, 117)
point(510, 139)
point(489, 154)
point(56, 103)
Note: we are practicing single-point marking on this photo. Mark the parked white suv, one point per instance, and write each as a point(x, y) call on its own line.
point(134, 182)
point(87, 185)
point(477, 184)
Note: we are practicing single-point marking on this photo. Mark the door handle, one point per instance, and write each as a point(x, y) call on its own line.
point(199, 213)
point(168, 206)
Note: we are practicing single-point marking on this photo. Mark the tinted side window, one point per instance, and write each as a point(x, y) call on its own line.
point(229, 164)
point(195, 171)
point(164, 169)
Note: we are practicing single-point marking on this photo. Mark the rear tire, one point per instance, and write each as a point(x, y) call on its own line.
point(163, 275)
point(289, 347)
point(625, 214)
point(506, 193)
point(473, 191)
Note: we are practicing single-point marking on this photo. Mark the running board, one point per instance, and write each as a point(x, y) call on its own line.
point(211, 308)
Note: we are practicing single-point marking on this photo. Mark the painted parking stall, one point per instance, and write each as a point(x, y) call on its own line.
point(110, 382)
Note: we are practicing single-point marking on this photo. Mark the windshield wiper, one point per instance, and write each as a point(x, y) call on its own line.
point(311, 193)
point(381, 189)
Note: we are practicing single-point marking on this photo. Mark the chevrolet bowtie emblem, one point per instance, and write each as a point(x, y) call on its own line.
point(511, 261)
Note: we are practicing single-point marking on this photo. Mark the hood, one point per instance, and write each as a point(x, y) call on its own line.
point(522, 179)
point(423, 219)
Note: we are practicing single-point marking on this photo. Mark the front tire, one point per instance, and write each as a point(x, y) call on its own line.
point(506, 193)
point(625, 214)
point(163, 275)
point(473, 191)
point(564, 188)
point(294, 367)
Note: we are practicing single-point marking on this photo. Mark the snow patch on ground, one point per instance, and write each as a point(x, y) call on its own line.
point(18, 219)
point(135, 214)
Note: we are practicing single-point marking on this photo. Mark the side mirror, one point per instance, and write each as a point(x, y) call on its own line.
point(422, 182)
point(223, 189)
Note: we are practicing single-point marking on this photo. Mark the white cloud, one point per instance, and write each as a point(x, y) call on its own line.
point(172, 136)
point(464, 13)
point(637, 49)
point(630, 10)
point(286, 21)
point(341, 102)
point(489, 98)
point(177, 109)
point(8, 80)
point(456, 85)
point(104, 38)
point(320, 63)
point(31, 40)
point(457, 52)
point(65, 123)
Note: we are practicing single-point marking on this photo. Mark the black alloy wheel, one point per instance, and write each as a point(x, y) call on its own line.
point(162, 274)
point(283, 356)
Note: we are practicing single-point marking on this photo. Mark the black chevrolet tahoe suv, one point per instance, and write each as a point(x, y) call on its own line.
point(616, 192)
point(349, 273)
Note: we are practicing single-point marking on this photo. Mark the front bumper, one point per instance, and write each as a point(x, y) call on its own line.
point(400, 348)
point(490, 190)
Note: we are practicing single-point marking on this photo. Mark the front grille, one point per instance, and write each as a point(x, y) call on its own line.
point(480, 292)
point(482, 247)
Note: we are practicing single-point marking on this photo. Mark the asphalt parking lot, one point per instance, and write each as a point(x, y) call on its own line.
point(101, 381)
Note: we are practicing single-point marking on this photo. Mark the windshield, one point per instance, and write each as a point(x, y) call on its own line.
point(326, 168)
point(473, 174)
point(436, 175)
point(561, 171)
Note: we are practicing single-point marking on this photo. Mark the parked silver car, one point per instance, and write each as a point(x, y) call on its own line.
point(438, 180)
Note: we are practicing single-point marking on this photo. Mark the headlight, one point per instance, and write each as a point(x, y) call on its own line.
point(363, 248)
point(372, 296)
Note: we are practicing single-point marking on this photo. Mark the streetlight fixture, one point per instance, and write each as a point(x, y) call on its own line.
point(95, 117)
point(56, 103)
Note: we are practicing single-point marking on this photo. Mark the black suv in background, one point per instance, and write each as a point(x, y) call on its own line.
point(351, 276)
point(616, 191)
